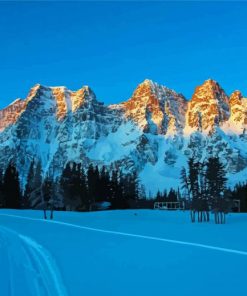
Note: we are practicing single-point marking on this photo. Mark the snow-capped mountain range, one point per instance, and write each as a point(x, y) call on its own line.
point(154, 132)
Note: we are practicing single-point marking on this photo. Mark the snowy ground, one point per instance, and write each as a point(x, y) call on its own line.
point(142, 252)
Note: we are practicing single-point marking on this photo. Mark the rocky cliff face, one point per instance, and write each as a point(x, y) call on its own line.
point(10, 114)
point(154, 132)
point(156, 109)
point(208, 107)
point(238, 109)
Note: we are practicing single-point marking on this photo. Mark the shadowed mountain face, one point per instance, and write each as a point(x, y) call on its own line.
point(154, 132)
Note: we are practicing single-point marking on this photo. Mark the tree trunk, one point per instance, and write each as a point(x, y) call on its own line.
point(51, 215)
point(45, 217)
point(192, 215)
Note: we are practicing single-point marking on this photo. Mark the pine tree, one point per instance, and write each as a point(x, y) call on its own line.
point(142, 192)
point(159, 196)
point(172, 196)
point(185, 183)
point(71, 185)
point(91, 182)
point(164, 195)
point(33, 188)
point(47, 189)
point(115, 189)
point(65, 184)
point(239, 193)
point(104, 184)
point(194, 185)
point(122, 193)
point(215, 177)
point(131, 186)
point(97, 188)
point(30, 186)
point(216, 185)
point(83, 191)
point(11, 188)
point(193, 178)
point(75, 183)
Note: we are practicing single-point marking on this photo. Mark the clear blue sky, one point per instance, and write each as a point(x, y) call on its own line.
point(114, 46)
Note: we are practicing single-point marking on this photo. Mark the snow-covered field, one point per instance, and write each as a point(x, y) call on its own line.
point(142, 252)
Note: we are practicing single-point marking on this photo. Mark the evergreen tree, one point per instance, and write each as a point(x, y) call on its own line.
point(159, 196)
point(193, 178)
point(194, 186)
point(120, 200)
point(70, 183)
point(142, 192)
point(33, 188)
point(83, 191)
point(215, 177)
point(91, 182)
point(216, 185)
point(11, 188)
point(65, 184)
point(164, 195)
point(115, 190)
point(131, 186)
point(104, 184)
point(75, 182)
point(38, 184)
point(30, 186)
point(239, 193)
point(64, 180)
point(185, 183)
point(172, 195)
point(97, 188)
point(47, 189)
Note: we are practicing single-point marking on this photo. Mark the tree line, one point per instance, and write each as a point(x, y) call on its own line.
point(168, 196)
point(84, 188)
point(76, 189)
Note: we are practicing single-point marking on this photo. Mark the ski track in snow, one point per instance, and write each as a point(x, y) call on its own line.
point(46, 266)
point(185, 243)
point(37, 262)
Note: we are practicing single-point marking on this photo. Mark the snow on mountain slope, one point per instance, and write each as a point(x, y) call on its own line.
point(154, 132)
point(123, 253)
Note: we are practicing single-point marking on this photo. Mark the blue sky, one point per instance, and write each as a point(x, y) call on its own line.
point(114, 46)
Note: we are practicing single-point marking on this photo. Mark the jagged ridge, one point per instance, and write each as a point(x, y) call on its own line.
point(154, 132)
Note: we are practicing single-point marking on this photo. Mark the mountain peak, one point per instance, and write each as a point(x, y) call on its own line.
point(155, 108)
point(11, 113)
point(38, 86)
point(208, 90)
point(57, 125)
point(211, 85)
point(146, 84)
point(209, 106)
point(147, 81)
point(236, 95)
point(210, 81)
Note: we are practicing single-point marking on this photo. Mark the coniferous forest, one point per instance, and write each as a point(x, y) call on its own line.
point(76, 189)
point(203, 186)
